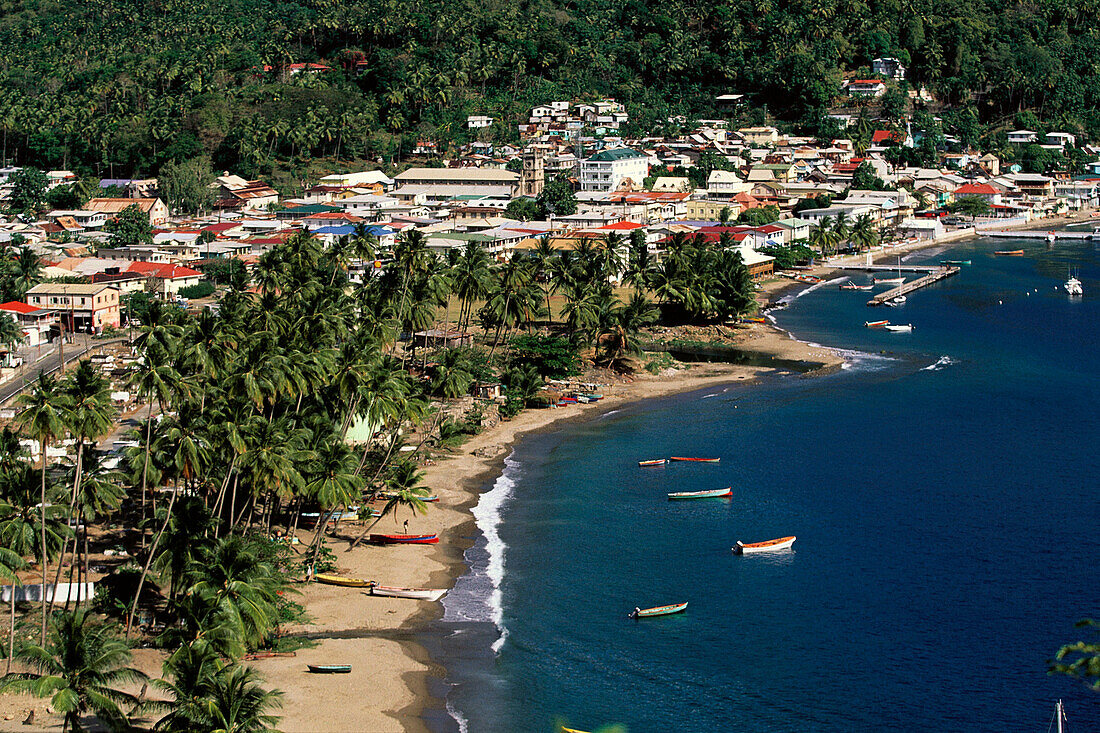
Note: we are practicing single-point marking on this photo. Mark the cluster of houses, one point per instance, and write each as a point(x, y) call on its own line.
point(644, 186)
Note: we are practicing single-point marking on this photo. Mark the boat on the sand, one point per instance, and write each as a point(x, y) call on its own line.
point(706, 494)
point(422, 594)
point(747, 548)
point(341, 580)
point(404, 539)
point(658, 610)
point(329, 668)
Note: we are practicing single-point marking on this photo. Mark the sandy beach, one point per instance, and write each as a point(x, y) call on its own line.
point(387, 688)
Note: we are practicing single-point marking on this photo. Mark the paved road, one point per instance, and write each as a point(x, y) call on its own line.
point(50, 364)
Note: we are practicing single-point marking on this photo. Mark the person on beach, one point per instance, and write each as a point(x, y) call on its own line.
point(406, 526)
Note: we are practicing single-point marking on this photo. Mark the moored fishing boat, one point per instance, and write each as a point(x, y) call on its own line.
point(1009, 252)
point(329, 668)
point(782, 543)
point(341, 580)
point(954, 262)
point(695, 460)
point(889, 280)
point(876, 324)
point(421, 594)
point(658, 610)
point(900, 328)
point(705, 494)
point(654, 462)
point(404, 539)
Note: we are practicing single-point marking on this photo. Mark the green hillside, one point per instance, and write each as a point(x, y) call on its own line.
point(119, 87)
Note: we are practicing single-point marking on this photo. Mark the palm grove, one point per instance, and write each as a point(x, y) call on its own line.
point(244, 430)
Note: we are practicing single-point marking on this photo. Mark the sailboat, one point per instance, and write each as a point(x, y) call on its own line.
point(892, 280)
point(1060, 717)
point(1073, 285)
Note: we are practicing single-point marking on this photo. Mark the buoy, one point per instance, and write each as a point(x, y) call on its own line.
point(1000, 302)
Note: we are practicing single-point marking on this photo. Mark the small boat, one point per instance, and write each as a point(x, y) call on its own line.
point(695, 460)
point(391, 495)
point(853, 286)
point(876, 324)
point(422, 594)
point(1073, 285)
point(654, 462)
point(954, 262)
point(658, 610)
point(563, 729)
point(404, 539)
point(594, 397)
point(267, 655)
point(746, 548)
point(341, 580)
point(329, 668)
point(900, 300)
point(1009, 252)
point(1050, 238)
point(706, 494)
point(889, 280)
point(754, 319)
point(900, 328)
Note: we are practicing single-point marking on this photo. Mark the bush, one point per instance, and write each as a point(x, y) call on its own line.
point(552, 356)
point(193, 292)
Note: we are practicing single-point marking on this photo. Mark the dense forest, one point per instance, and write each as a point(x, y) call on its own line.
point(121, 87)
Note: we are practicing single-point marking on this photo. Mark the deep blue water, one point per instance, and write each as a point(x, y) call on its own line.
point(945, 497)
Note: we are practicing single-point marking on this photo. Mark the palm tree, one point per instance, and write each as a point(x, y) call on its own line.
point(543, 260)
point(403, 490)
point(470, 280)
point(11, 335)
point(841, 227)
point(10, 564)
point(153, 380)
point(618, 336)
point(238, 704)
point(41, 419)
point(80, 668)
point(334, 482)
point(863, 234)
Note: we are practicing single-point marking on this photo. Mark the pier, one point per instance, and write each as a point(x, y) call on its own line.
point(1032, 234)
point(936, 274)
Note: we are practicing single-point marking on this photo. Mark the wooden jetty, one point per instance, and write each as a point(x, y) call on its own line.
point(937, 274)
point(926, 269)
point(1032, 234)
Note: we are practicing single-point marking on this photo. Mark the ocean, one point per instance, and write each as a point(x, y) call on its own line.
point(943, 489)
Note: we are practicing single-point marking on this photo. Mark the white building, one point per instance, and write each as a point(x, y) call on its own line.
point(608, 170)
point(476, 122)
point(889, 67)
point(1022, 137)
point(1061, 139)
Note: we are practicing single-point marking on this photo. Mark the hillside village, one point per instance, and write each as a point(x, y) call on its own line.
point(572, 177)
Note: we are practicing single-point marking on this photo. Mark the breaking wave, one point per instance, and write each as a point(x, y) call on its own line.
point(941, 363)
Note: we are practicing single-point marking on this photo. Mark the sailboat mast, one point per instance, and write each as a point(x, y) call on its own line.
point(1060, 714)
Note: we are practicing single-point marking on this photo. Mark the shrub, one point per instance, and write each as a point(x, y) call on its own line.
point(552, 356)
point(192, 292)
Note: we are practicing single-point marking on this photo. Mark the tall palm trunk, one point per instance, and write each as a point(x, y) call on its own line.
point(145, 469)
point(149, 561)
point(42, 527)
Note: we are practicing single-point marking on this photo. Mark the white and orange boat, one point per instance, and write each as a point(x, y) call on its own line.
point(654, 462)
point(876, 324)
point(783, 543)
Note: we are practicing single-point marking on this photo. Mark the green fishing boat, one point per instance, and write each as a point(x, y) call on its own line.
point(658, 610)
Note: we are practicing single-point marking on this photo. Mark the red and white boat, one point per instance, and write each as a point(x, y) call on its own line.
point(420, 594)
point(695, 460)
point(404, 539)
point(746, 548)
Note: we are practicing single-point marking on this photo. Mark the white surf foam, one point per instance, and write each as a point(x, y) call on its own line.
point(862, 360)
point(459, 718)
point(941, 363)
point(487, 514)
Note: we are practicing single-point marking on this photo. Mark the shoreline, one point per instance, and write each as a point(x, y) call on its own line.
point(392, 691)
point(397, 699)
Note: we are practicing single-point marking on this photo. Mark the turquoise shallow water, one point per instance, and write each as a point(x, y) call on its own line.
point(943, 489)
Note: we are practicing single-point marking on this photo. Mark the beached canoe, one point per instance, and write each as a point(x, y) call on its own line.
point(1009, 252)
point(706, 494)
point(267, 655)
point(876, 324)
point(695, 460)
point(421, 594)
point(754, 319)
point(404, 539)
point(341, 580)
point(658, 610)
point(654, 462)
point(329, 668)
point(746, 548)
